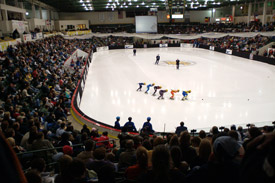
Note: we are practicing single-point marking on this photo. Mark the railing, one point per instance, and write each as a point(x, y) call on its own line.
point(26, 157)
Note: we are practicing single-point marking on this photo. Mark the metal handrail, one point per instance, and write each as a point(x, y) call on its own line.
point(56, 148)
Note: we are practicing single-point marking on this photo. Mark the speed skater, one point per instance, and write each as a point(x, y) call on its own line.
point(173, 93)
point(185, 94)
point(156, 88)
point(149, 86)
point(140, 86)
point(161, 93)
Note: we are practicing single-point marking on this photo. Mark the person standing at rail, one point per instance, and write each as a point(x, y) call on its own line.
point(147, 127)
point(130, 126)
point(117, 125)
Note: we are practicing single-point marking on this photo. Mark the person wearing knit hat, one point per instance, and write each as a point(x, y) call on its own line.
point(225, 147)
point(68, 150)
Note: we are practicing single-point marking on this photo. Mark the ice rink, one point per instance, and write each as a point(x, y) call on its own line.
point(226, 89)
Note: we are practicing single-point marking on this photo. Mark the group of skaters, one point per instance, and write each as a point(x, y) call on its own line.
point(163, 91)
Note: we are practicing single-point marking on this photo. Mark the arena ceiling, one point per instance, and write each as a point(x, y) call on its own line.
point(136, 5)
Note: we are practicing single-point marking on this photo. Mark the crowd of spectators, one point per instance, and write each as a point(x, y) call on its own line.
point(112, 41)
point(230, 155)
point(244, 44)
point(129, 28)
point(186, 28)
point(215, 27)
point(36, 90)
point(270, 53)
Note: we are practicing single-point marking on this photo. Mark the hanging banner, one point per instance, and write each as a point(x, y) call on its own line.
point(228, 51)
point(129, 46)
point(163, 45)
point(212, 48)
point(39, 35)
point(27, 37)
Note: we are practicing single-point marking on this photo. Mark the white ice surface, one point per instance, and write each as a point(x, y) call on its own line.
point(226, 89)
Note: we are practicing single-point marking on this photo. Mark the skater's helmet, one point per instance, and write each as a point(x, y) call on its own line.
point(166, 90)
point(153, 84)
point(148, 118)
point(117, 117)
point(144, 83)
point(130, 118)
point(189, 91)
point(178, 90)
point(160, 86)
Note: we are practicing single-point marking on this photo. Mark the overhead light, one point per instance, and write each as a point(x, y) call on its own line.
point(137, 6)
point(83, 4)
point(27, 13)
point(81, 1)
point(130, 3)
point(143, 3)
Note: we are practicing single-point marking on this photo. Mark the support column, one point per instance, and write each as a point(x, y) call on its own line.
point(49, 15)
point(1, 18)
point(249, 13)
point(40, 11)
point(16, 3)
point(33, 11)
point(233, 12)
point(264, 12)
point(213, 18)
point(21, 5)
point(5, 15)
